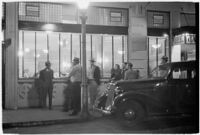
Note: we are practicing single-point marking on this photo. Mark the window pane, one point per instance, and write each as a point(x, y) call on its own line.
point(107, 55)
point(54, 52)
point(118, 50)
point(125, 49)
point(20, 52)
point(97, 49)
point(88, 50)
point(65, 49)
point(29, 53)
point(41, 52)
point(152, 53)
point(75, 45)
point(161, 49)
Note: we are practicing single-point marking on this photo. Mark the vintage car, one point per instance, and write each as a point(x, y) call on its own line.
point(170, 90)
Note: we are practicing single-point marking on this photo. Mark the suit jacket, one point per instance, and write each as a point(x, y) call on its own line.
point(97, 75)
point(46, 76)
point(131, 74)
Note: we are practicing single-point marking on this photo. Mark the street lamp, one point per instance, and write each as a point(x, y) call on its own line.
point(83, 5)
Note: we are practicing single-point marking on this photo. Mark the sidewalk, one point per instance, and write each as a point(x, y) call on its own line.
point(37, 116)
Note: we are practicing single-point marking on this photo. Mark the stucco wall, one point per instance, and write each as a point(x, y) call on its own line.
point(28, 95)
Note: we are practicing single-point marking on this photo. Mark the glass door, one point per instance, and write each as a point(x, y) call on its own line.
point(157, 48)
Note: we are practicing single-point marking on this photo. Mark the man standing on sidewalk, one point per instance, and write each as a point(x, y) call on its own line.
point(94, 82)
point(46, 77)
point(75, 76)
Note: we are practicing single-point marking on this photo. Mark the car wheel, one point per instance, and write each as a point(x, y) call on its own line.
point(130, 113)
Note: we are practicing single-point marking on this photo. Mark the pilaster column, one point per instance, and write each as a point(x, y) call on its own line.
point(11, 67)
point(137, 38)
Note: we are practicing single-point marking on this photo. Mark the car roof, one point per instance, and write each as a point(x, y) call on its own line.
point(192, 62)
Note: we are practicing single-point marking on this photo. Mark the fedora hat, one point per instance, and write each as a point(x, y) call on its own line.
point(92, 60)
point(47, 63)
point(76, 59)
point(164, 57)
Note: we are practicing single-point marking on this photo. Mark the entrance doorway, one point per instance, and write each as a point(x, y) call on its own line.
point(157, 48)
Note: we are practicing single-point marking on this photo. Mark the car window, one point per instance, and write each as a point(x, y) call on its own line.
point(179, 73)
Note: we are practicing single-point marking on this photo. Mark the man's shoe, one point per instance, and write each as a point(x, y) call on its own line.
point(65, 110)
point(73, 113)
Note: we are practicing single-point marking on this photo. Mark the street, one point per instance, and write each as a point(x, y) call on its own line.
point(109, 125)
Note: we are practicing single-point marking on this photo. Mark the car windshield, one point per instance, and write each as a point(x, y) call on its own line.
point(160, 72)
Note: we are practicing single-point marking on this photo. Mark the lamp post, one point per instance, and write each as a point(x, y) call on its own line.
point(84, 90)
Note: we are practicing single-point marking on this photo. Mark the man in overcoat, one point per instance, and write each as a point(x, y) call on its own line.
point(46, 78)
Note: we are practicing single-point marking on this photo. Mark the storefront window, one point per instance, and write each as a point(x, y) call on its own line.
point(107, 55)
point(36, 47)
point(76, 45)
point(29, 54)
point(88, 50)
point(41, 51)
point(118, 52)
point(53, 41)
point(97, 49)
point(65, 55)
point(20, 54)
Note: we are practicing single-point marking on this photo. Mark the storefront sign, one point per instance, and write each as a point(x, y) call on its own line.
point(185, 39)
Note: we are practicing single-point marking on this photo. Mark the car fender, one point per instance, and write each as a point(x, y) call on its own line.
point(145, 100)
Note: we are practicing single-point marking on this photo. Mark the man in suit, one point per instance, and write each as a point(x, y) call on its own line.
point(94, 82)
point(46, 77)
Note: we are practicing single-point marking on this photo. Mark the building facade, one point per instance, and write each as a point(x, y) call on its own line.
point(140, 33)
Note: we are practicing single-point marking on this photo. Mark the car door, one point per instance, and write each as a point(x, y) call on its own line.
point(181, 85)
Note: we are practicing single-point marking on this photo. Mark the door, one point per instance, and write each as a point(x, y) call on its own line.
point(183, 90)
point(157, 48)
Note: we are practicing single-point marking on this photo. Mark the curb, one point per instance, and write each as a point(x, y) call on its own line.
point(52, 122)
point(41, 123)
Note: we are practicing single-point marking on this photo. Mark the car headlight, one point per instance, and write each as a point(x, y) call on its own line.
point(118, 90)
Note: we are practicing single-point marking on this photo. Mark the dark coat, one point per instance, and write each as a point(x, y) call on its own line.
point(46, 77)
point(116, 74)
point(97, 75)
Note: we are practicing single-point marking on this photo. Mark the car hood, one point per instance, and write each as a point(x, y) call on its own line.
point(139, 83)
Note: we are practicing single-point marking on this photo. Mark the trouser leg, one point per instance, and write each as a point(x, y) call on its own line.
point(92, 92)
point(44, 96)
point(50, 92)
point(76, 97)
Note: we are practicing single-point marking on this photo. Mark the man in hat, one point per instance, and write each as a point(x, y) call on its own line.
point(75, 76)
point(46, 77)
point(164, 60)
point(94, 81)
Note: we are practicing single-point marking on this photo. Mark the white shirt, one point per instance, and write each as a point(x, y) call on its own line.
point(76, 73)
point(91, 72)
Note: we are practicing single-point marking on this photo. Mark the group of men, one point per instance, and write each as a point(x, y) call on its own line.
point(73, 98)
point(75, 76)
point(74, 85)
point(128, 73)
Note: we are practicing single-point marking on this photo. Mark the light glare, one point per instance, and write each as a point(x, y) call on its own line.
point(83, 4)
